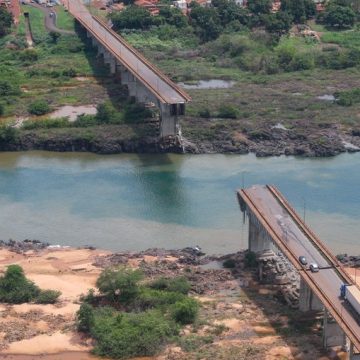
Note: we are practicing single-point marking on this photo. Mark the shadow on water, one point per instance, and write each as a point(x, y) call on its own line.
point(164, 188)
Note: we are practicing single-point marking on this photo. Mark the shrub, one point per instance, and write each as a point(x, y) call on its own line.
point(69, 72)
point(229, 263)
point(135, 113)
point(348, 97)
point(339, 17)
point(205, 113)
point(8, 134)
point(193, 342)
point(6, 21)
point(28, 55)
point(178, 284)
point(85, 318)
point(105, 113)
point(47, 297)
point(7, 88)
point(119, 284)
point(15, 288)
point(39, 107)
point(185, 311)
point(123, 336)
point(2, 109)
point(152, 298)
point(228, 112)
point(46, 124)
point(250, 259)
point(85, 121)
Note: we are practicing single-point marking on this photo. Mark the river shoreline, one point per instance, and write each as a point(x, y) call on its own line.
point(263, 142)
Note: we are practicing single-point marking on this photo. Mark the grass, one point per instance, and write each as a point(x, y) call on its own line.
point(64, 20)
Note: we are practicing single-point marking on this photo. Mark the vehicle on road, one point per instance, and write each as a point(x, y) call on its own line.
point(314, 267)
point(302, 260)
point(351, 294)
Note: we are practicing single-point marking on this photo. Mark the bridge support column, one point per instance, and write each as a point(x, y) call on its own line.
point(308, 300)
point(168, 121)
point(352, 354)
point(333, 335)
point(259, 240)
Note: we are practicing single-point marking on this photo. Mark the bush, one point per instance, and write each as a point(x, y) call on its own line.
point(8, 134)
point(185, 311)
point(39, 107)
point(47, 297)
point(119, 284)
point(15, 288)
point(7, 88)
point(85, 318)
point(135, 113)
point(123, 336)
point(152, 298)
point(229, 263)
point(348, 98)
point(85, 121)
point(205, 113)
point(2, 109)
point(228, 112)
point(339, 17)
point(28, 55)
point(178, 284)
point(46, 124)
point(250, 259)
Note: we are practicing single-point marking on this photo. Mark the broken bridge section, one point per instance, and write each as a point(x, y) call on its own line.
point(145, 82)
point(275, 226)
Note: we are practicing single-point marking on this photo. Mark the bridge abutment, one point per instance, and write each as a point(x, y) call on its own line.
point(259, 239)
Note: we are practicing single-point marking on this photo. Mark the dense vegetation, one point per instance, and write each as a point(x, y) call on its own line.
point(6, 21)
point(15, 288)
point(131, 317)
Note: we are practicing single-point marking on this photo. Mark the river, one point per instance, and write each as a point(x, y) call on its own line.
point(133, 202)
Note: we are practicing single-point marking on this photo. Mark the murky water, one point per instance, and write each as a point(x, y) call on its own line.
point(134, 202)
point(209, 84)
point(72, 112)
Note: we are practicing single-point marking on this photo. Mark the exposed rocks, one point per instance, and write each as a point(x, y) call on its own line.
point(349, 260)
point(276, 269)
point(24, 245)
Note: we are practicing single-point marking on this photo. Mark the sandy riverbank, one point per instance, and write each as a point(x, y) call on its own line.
point(250, 314)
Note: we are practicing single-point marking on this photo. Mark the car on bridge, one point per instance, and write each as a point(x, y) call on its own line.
point(314, 267)
point(302, 260)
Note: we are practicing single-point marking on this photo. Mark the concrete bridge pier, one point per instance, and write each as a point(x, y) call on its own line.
point(259, 239)
point(333, 335)
point(308, 300)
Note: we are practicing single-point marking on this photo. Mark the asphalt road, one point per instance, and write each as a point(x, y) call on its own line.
point(328, 280)
point(50, 21)
point(161, 89)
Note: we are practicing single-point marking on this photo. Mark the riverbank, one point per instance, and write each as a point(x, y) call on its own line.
point(239, 315)
point(276, 140)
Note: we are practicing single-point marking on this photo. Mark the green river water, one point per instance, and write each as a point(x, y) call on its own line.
point(133, 202)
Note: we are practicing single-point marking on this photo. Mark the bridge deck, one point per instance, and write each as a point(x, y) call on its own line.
point(295, 239)
point(159, 84)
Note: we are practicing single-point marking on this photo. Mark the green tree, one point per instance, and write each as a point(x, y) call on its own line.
point(206, 22)
point(6, 21)
point(185, 311)
point(2, 109)
point(339, 17)
point(229, 12)
point(85, 318)
point(119, 284)
point(133, 17)
point(260, 7)
point(278, 23)
point(300, 10)
point(173, 16)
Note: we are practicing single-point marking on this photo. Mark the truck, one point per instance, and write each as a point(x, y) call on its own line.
point(351, 294)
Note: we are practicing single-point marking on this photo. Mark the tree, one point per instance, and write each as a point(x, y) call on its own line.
point(229, 11)
point(119, 284)
point(206, 22)
point(133, 17)
point(260, 7)
point(173, 16)
point(300, 10)
point(278, 23)
point(6, 21)
point(339, 17)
